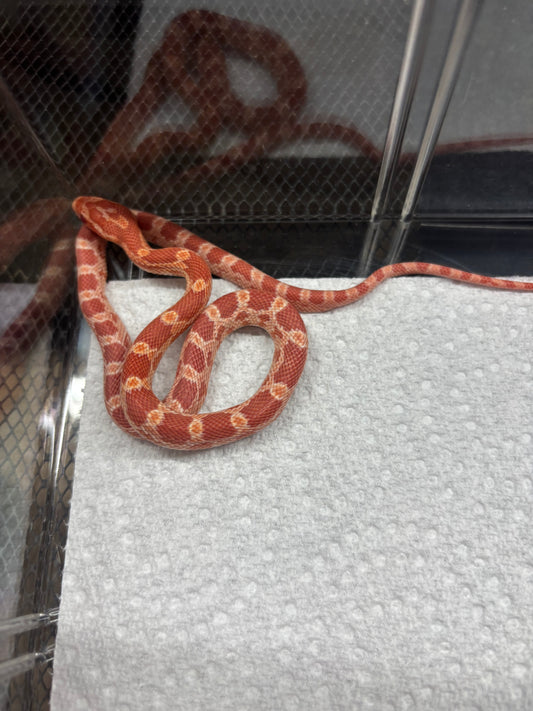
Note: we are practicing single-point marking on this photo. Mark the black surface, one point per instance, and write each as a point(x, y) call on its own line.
point(482, 184)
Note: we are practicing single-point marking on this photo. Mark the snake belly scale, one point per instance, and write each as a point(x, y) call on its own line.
point(262, 301)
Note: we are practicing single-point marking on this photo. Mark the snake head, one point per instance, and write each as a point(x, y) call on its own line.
point(108, 219)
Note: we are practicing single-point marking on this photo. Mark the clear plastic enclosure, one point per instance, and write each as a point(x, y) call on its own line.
point(311, 138)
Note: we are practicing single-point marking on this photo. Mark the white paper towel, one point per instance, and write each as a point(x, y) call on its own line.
point(370, 549)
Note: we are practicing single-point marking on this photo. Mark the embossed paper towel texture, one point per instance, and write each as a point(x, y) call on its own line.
point(370, 549)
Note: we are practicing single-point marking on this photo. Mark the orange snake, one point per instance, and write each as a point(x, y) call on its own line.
point(263, 301)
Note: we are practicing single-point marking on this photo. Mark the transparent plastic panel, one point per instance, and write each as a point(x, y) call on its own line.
point(274, 130)
point(255, 114)
point(482, 168)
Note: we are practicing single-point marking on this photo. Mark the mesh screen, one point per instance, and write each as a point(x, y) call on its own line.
point(262, 128)
point(278, 122)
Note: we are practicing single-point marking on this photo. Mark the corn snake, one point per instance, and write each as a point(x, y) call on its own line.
point(262, 301)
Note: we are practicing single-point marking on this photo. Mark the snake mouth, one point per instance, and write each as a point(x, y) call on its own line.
point(82, 204)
